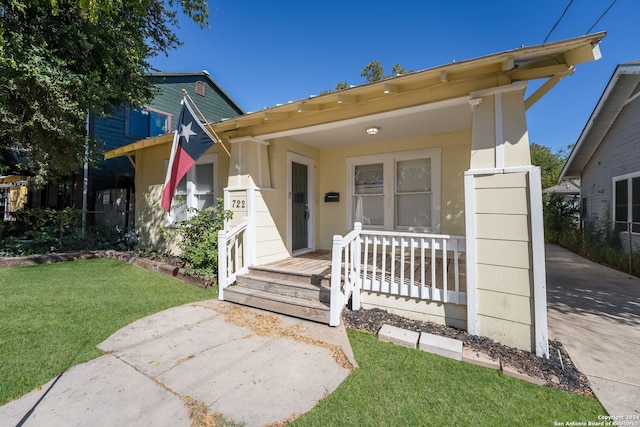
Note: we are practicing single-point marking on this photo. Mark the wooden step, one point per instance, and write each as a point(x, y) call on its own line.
point(316, 279)
point(310, 309)
point(297, 289)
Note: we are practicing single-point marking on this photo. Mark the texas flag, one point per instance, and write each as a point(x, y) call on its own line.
point(190, 141)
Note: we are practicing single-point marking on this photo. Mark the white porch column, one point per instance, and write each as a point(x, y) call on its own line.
point(503, 209)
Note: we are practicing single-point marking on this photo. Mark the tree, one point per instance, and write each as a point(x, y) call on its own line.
point(550, 163)
point(373, 72)
point(60, 59)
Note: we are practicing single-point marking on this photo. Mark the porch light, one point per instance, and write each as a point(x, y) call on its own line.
point(373, 130)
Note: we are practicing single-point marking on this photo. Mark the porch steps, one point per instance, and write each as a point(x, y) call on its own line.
point(292, 293)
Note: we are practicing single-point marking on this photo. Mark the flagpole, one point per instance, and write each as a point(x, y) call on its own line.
point(210, 127)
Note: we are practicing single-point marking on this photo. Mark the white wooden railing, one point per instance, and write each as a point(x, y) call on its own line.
point(233, 255)
point(345, 266)
point(414, 265)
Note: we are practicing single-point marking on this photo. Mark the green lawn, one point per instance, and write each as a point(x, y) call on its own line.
point(399, 386)
point(52, 316)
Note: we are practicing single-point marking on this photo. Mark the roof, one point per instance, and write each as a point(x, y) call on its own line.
point(568, 188)
point(203, 73)
point(623, 87)
point(447, 88)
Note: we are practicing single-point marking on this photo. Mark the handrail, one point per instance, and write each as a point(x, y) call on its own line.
point(228, 251)
point(345, 252)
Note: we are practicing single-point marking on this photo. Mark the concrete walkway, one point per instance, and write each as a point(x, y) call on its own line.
point(250, 365)
point(595, 312)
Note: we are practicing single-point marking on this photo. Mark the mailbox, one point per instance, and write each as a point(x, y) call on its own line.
point(332, 197)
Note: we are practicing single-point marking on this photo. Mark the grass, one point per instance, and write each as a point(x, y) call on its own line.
point(399, 386)
point(53, 316)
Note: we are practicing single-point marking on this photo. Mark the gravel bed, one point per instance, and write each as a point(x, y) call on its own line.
point(557, 372)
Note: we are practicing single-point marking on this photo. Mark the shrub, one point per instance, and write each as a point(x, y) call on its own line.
point(45, 230)
point(198, 239)
point(560, 218)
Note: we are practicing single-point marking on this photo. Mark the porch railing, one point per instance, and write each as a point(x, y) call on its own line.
point(345, 273)
point(415, 265)
point(233, 255)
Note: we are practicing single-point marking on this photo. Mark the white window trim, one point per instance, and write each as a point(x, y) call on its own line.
point(191, 199)
point(627, 177)
point(146, 108)
point(389, 160)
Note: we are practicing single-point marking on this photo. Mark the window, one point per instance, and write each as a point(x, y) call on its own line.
point(584, 212)
point(196, 189)
point(369, 194)
point(200, 88)
point(144, 122)
point(396, 191)
point(626, 202)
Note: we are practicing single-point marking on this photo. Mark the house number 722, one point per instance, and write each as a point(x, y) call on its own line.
point(237, 204)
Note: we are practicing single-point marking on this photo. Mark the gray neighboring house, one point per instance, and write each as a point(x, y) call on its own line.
point(607, 158)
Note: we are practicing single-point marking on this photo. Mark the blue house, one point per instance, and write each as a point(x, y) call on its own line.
point(127, 125)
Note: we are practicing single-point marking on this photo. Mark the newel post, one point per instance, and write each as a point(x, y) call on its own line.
point(357, 253)
point(336, 303)
point(222, 263)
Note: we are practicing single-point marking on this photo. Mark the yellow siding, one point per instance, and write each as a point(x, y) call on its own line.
point(444, 314)
point(510, 280)
point(516, 139)
point(503, 257)
point(502, 227)
point(513, 334)
point(151, 164)
point(270, 245)
point(503, 180)
point(502, 252)
point(484, 135)
point(508, 307)
point(332, 170)
point(511, 201)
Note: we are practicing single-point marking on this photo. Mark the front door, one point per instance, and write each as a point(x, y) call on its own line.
point(299, 206)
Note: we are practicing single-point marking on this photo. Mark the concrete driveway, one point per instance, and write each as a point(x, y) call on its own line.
point(253, 366)
point(595, 312)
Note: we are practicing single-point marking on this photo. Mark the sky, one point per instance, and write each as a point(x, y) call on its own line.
point(264, 53)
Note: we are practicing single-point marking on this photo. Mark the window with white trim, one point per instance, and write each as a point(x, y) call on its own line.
point(196, 190)
point(145, 122)
point(626, 202)
point(396, 191)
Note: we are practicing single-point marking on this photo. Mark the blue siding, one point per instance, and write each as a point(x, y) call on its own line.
point(110, 132)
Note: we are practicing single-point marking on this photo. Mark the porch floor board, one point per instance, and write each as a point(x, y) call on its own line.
point(319, 263)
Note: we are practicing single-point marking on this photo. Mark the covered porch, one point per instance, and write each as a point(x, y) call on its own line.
point(361, 266)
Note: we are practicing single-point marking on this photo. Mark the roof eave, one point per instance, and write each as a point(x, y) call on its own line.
point(583, 150)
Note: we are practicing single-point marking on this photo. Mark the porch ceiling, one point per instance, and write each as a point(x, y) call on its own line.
point(424, 120)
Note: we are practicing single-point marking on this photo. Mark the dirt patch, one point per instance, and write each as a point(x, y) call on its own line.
point(557, 372)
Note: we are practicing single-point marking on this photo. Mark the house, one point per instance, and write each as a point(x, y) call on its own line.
point(111, 184)
point(569, 190)
point(606, 158)
point(13, 194)
point(415, 194)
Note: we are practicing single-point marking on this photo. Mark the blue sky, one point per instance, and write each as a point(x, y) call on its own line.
point(264, 53)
